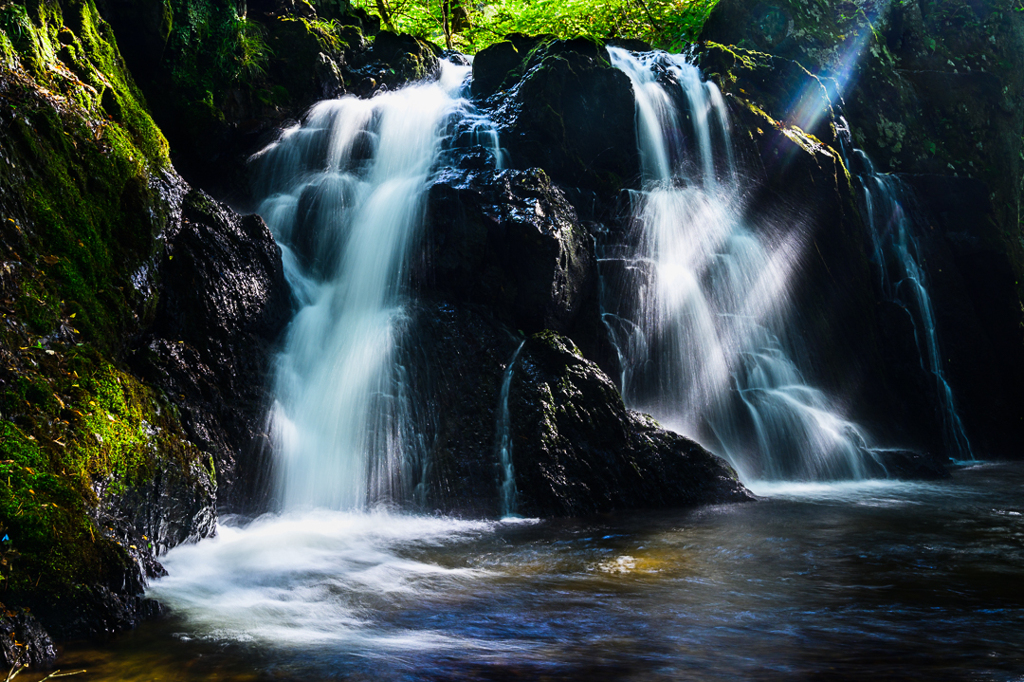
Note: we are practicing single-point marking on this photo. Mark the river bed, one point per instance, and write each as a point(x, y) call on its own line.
point(854, 581)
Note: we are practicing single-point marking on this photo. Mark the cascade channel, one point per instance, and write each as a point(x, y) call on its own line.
point(696, 302)
point(345, 194)
point(903, 280)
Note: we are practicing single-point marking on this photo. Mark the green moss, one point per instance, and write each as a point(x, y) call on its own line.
point(75, 419)
point(78, 227)
point(211, 50)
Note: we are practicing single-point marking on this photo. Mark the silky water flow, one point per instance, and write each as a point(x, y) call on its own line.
point(699, 309)
point(345, 201)
point(897, 254)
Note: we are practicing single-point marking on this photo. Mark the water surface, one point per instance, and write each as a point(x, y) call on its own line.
point(856, 581)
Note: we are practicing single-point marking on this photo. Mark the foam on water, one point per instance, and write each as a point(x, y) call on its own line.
point(317, 577)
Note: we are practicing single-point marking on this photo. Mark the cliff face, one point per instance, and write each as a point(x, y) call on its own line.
point(931, 91)
point(102, 469)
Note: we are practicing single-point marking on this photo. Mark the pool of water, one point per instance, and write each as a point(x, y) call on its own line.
point(877, 580)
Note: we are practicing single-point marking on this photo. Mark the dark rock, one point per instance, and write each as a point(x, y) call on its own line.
point(977, 312)
point(23, 641)
point(455, 356)
point(858, 345)
point(173, 507)
point(404, 58)
point(577, 450)
point(500, 65)
point(571, 113)
point(223, 304)
point(511, 241)
point(908, 465)
point(328, 77)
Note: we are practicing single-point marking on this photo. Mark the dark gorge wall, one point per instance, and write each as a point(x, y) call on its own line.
point(931, 91)
point(130, 357)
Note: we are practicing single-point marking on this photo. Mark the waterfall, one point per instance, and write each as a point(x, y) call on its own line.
point(344, 194)
point(699, 316)
point(904, 282)
point(503, 442)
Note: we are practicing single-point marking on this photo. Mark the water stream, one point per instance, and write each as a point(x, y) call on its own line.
point(898, 256)
point(504, 442)
point(345, 195)
point(699, 310)
point(844, 581)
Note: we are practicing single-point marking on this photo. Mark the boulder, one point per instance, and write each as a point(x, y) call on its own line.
point(223, 304)
point(577, 450)
point(570, 112)
point(23, 641)
point(509, 240)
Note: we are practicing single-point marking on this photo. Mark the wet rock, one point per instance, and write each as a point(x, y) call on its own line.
point(403, 58)
point(909, 465)
point(175, 506)
point(455, 356)
point(977, 312)
point(499, 66)
point(570, 113)
point(577, 450)
point(23, 641)
point(223, 304)
point(859, 346)
point(511, 241)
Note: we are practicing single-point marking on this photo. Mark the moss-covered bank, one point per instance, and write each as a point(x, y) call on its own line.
point(80, 210)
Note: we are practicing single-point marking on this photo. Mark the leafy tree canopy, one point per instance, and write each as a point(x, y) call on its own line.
point(471, 26)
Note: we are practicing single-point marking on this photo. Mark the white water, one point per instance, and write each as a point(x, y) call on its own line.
point(704, 356)
point(504, 442)
point(700, 322)
point(345, 198)
point(907, 285)
point(316, 578)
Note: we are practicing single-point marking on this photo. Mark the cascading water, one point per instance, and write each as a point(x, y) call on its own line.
point(504, 442)
point(344, 199)
point(904, 281)
point(698, 319)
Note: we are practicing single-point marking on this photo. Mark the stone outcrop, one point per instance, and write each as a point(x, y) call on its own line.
point(577, 450)
point(511, 241)
point(223, 303)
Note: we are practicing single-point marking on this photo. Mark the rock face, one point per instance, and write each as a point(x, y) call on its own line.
point(577, 450)
point(221, 85)
point(963, 252)
point(23, 641)
point(562, 107)
point(929, 96)
point(455, 355)
point(223, 303)
point(511, 241)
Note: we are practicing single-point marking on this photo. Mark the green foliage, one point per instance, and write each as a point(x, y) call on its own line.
point(71, 418)
point(215, 49)
point(668, 24)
